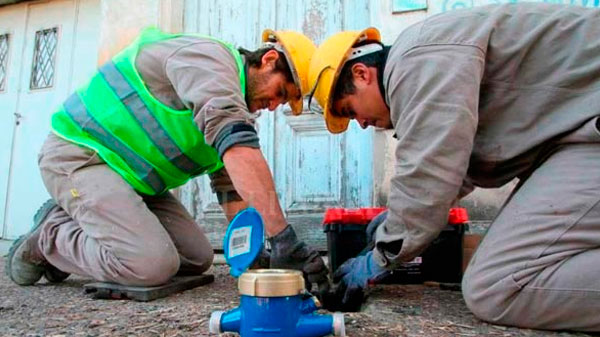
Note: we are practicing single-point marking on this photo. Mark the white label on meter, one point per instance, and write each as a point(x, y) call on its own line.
point(239, 241)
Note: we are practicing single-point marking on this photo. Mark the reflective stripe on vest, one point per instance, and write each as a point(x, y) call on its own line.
point(134, 104)
point(78, 112)
point(151, 145)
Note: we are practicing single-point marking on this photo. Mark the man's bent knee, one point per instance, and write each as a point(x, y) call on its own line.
point(491, 298)
point(206, 262)
point(477, 299)
point(199, 264)
point(153, 269)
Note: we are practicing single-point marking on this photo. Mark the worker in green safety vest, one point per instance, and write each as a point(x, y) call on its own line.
point(167, 108)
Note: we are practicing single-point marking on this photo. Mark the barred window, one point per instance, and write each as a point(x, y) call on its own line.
point(44, 55)
point(3, 59)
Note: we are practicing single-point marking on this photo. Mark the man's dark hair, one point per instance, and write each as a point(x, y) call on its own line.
point(254, 59)
point(345, 85)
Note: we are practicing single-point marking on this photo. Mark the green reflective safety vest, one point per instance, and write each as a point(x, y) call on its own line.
point(153, 147)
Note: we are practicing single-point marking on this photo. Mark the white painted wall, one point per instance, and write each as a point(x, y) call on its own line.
point(123, 20)
point(25, 111)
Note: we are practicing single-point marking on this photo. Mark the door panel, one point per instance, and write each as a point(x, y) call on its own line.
point(25, 189)
point(12, 23)
point(312, 169)
point(309, 161)
point(49, 70)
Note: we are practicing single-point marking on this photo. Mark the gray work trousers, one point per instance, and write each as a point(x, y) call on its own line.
point(538, 266)
point(105, 230)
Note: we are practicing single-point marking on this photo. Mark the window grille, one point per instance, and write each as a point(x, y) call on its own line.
point(44, 55)
point(3, 59)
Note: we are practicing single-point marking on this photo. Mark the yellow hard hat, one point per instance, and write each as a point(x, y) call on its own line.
point(325, 67)
point(298, 50)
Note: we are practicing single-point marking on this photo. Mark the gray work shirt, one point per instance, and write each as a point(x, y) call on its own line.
point(476, 97)
point(202, 75)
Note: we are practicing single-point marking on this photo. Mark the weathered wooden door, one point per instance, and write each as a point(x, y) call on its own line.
point(313, 169)
point(52, 48)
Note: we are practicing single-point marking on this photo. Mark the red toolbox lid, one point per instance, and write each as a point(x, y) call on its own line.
point(458, 216)
point(355, 216)
point(362, 216)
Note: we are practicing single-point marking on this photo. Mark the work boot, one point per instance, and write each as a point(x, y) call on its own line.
point(25, 262)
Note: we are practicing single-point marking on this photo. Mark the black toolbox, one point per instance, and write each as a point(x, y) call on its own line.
point(440, 262)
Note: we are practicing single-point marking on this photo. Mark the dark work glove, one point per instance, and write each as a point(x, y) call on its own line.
point(262, 261)
point(372, 228)
point(287, 252)
point(353, 278)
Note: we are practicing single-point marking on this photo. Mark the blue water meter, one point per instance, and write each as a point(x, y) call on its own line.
point(274, 301)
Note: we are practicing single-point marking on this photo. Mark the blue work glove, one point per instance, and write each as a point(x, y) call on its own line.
point(353, 278)
point(372, 228)
point(287, 252)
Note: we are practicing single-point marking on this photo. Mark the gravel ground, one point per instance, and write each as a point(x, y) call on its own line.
point(64, 310)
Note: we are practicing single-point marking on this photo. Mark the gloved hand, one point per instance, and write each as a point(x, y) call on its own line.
point(262, 261)
point(288, 252)
point(372, 228)
point(353, 277)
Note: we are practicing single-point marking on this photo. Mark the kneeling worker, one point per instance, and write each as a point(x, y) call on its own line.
point(480, 97)
point(167, 108)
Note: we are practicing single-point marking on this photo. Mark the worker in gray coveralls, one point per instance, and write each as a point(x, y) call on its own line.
point(480, 97)
point(167, 108)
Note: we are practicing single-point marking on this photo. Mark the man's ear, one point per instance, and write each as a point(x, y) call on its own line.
point(269, 59)
point(361, 73)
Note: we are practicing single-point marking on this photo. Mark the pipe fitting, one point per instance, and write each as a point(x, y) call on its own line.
point(339, 327)
point(214, 325)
